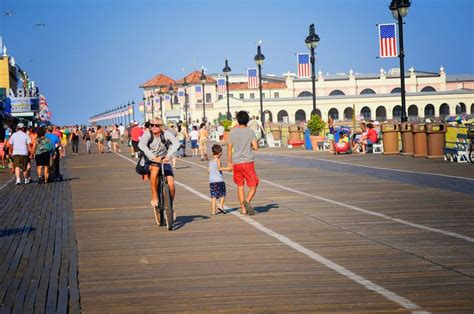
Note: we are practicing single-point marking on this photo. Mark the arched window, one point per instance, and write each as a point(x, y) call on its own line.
point(472, 108)
point(429, 111)
point(334, 114)
point(396, 90)
point(305, 94)
point(366, 113)
point(367, 91)
point(428, 89)
point(348, 114)
point(268, 115)
point(300, 115)
point(444, 110)
point(281, 115)
point(461, 108)
point(316, 111)
point(336, 92)
point(381, 113)
point(397, 112)
point(413, 112)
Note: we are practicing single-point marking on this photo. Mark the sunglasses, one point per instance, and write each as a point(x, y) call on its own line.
point(155, 125)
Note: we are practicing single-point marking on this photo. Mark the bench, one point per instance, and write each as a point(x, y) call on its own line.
point(457, 151)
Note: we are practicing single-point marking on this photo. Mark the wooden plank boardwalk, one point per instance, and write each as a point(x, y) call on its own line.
point(332, 234)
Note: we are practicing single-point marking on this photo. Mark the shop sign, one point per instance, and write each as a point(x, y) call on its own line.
point(24, 104)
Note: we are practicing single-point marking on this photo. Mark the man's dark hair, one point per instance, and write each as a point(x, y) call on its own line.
point(216, 149)
point(243, 117)
point(147, 125)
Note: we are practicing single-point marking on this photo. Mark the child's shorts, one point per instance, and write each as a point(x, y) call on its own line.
point(194, 144)
point(217, 189)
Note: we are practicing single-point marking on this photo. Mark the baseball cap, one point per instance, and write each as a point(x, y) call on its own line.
point(20, 125)
point(135, 122)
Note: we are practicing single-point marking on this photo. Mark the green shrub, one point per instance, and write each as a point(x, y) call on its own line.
point(316, 125)
point(226, 124)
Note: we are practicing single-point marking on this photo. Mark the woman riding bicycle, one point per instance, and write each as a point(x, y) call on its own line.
point(159, 146)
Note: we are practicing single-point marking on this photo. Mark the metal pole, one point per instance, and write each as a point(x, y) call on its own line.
point(186, 107)
point(313, 78)
point(203, 105)
point(402, 68)
point(229, 116)
point(161, 108)
point(144, 110)
point(262, 118)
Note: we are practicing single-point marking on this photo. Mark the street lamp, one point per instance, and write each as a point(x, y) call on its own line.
point(185, 85)
point(312, 41)
point(160, 92)
point(133, 111)
point(203, 81)
point(144, 109)
point(399, 10)
point(152, 106)
point(259, 58)
point(226, 71)
point(170, 91)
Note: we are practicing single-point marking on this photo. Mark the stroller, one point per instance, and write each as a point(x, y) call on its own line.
point(342, 148)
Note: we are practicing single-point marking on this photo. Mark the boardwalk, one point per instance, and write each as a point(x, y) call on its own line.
point(348, 233)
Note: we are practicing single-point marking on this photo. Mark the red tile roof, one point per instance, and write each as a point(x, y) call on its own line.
point(194, 78)
point(160, 80)
point(242, 86)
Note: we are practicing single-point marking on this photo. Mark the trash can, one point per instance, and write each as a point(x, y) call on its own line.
point(295, 133)
point(435, 133)
point(407, 138)
point(276, 133)
point(419, 140)
point(390, 138)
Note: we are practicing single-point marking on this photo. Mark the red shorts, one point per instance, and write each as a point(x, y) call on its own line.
point(245, 171)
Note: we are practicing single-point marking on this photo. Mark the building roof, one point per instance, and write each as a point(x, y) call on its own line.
point(195, 78)
point(160, 80)
point(243, 86)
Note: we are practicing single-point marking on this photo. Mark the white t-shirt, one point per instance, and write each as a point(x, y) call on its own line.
point(220, 130)
point(121, 129)
point(194, 135)
point(20, 142)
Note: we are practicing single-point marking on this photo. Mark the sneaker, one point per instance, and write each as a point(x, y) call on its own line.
point(249, 208)
point(27, 181)
point(18, 182)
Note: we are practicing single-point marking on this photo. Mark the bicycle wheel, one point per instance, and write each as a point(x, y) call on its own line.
point(168, 206)
point(471, 153)
point(158, 215)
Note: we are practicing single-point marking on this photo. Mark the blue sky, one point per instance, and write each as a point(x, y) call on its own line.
point(93, 54)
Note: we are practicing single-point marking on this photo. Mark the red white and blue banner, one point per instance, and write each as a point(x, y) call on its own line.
point(221, 85)
point(388, 40)
point(252, 78)
point(304, 70)
point(197, 92)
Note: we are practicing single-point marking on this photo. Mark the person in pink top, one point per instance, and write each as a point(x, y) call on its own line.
point(135, 133)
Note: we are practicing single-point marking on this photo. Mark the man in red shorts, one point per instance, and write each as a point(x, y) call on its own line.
point(242, 143)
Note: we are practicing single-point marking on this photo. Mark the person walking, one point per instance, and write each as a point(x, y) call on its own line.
point(136, 132)
point(100, 137)
point(115, 139)
point(43, 149)
point(87, 138)
point(242, 143)
point(203, 137)
point(54, 171)
point(20, 142)
point(74, 139)
point(216, 181)
point(194, 136)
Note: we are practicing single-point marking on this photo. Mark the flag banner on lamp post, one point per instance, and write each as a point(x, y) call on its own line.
point(141, 107)
point(303, 65)
point(221, 85)
point(387, 40)
point(252, 78)
point(197, 92)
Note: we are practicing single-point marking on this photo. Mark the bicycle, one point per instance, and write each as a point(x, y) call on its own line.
point(164, 210)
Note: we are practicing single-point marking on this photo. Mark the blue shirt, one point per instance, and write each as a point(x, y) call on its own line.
point(54, 139)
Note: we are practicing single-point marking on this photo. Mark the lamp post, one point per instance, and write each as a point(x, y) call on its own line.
point(399, 10)
point(226, 71)
point(152, 107)
point(203, 81)
point(144, 109)
point(259, 58)
point(133, 110)
point(312, 41)
point(160, 92)
point(170, 91)
point(185, 85)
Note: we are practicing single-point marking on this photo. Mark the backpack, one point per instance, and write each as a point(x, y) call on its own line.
point(43, 146)
point(143, 162)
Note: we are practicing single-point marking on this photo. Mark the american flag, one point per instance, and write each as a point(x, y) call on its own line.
point(148, 106)
point(181, 96)
point(303, 65)
point(221, 85)
point(252, 78)
point(388, 42)
point(197, 92)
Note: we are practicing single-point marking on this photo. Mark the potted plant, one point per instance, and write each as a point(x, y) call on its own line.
point(226, 124)
point(316, 126)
